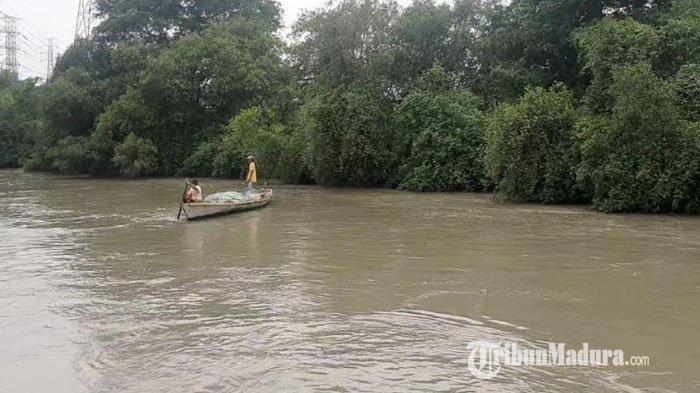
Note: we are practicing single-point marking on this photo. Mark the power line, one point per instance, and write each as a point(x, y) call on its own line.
point(29, 55)
point(32, 70)
point(23, 50)
point(31, 39)
point(36, 39)
point(30, 29)
point(32, 46)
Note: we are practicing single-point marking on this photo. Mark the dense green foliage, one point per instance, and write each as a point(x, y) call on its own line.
point(608, 46)
point(252, 132)
point(532, 153)
point(198, 83)
point(161, 21)
point(687, 84)
point(349, 137)
point(441, 137)
point(135, 157)
point(642, 157)
point(680, 30)
point(543, 101)
point(20, 119)
point(71, 155)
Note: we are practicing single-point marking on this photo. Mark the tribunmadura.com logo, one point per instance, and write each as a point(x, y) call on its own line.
point(486, 358)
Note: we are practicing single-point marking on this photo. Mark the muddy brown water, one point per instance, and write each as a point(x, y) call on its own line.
point(332, 289)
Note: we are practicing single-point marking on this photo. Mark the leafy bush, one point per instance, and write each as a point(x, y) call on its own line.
point(13, 137)
point(349, 137)
point(443, 134)
point(200, 163)
point(531, 150)
point(680, 31)
point(20, 119)
point(36, 161)
point(101, 145)
point(127, 115)
point(642, 157)
point(609, 45)
point(136, 157)
point(253, 132)
point(197, 84)
point(687, 83)
point(70, 105)
point(70, 156)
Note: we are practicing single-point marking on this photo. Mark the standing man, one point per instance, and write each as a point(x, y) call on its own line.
point(252, 177)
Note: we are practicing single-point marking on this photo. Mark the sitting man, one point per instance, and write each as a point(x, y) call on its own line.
point(194, 193)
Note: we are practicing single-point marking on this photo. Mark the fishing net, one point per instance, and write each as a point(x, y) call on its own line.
point(229, 197)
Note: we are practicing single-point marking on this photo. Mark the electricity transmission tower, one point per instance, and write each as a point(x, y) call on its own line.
point(10, 30)
point(83, 24)
point(49, 58)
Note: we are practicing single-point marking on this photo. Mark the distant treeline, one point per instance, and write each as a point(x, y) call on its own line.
point(570, 101)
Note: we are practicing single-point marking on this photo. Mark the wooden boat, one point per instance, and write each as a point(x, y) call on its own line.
point(197, 211)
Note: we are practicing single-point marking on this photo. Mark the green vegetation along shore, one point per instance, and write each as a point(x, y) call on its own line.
point(572, 101)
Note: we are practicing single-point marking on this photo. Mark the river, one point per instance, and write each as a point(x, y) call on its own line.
point(332, 289)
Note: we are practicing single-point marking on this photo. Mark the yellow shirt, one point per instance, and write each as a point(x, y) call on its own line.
point(252, 173)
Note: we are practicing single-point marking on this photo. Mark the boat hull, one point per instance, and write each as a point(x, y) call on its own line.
point(198, 211)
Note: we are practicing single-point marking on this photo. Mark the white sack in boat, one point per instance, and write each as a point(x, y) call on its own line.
point(228, 197)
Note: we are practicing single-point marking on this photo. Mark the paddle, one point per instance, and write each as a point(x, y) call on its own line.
point(184, 195)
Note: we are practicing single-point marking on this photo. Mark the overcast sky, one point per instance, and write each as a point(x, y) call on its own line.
point(41, 19)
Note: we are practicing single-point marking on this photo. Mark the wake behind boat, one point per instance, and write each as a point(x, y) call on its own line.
point(225, 203)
